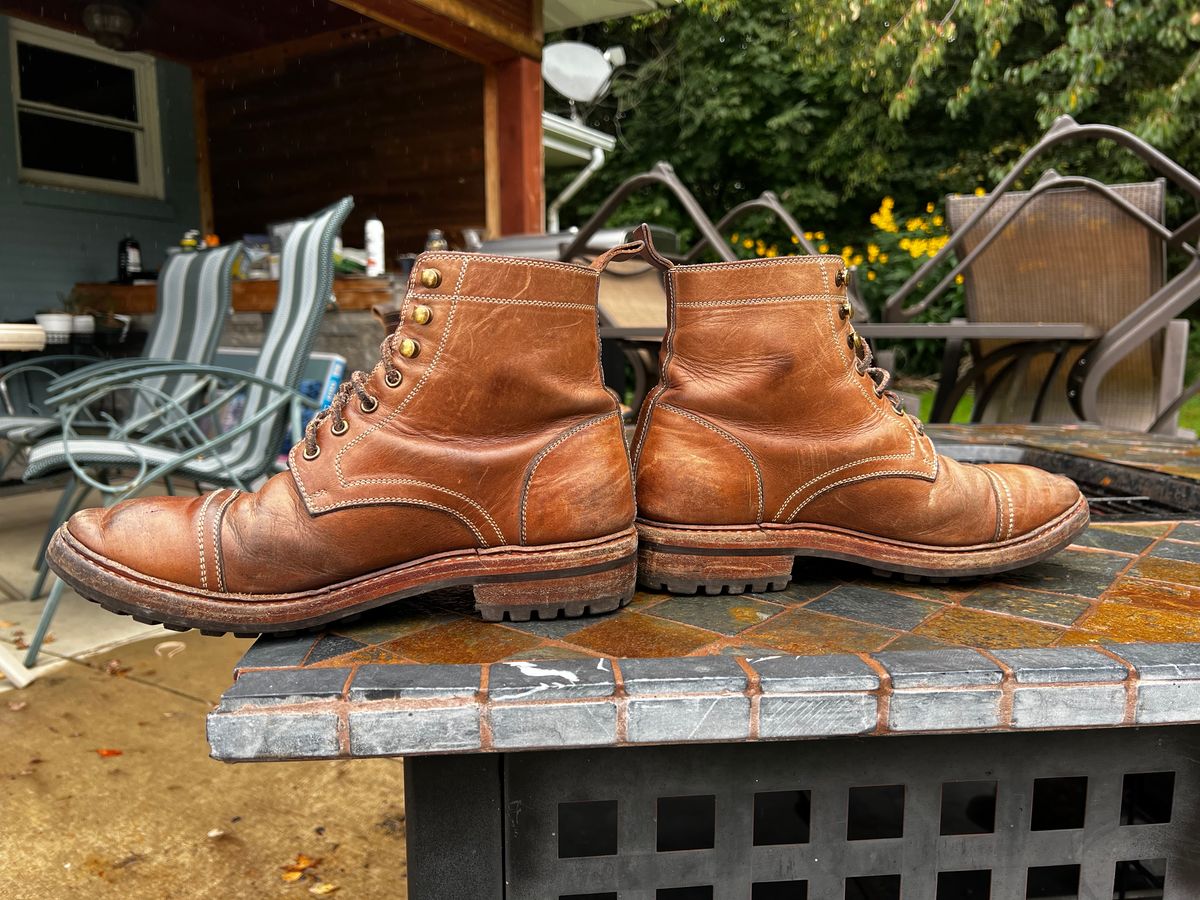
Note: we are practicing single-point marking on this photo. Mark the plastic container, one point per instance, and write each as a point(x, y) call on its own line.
point(374, 247)
point(56, 325)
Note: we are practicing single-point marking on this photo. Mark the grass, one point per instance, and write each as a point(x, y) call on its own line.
point(1189, 415)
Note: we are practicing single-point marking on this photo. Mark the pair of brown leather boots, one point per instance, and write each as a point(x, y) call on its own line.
point(484, 450)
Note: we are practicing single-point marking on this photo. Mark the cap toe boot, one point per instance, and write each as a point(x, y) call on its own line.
point(482, 450)
point(772, 436)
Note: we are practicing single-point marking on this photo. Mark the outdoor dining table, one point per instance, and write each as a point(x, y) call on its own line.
point(1035, 733)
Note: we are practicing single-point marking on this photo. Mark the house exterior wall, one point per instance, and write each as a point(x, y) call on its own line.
point(51, 238)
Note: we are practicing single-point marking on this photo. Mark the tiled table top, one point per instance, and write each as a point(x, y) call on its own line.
point(1107, 633)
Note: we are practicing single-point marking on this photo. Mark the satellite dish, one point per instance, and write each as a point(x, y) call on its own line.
point(578, 71)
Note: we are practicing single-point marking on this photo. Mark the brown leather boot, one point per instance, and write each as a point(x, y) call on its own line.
point(483, 449)
point(772, 436)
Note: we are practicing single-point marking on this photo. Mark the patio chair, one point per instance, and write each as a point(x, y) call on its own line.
point(1070, 254)
point(1071, 246)
point(177, 444)
point(193, 298)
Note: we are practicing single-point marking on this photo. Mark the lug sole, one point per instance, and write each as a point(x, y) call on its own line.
point(513, 583)
point(732, 560)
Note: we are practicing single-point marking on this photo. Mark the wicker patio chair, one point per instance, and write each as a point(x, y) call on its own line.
point(236, 457)
point(1070, 255)
point(1116, 241)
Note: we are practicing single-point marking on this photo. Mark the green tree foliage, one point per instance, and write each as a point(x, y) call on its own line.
point(835, 105)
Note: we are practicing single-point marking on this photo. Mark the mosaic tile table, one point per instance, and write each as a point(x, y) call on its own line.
point(679, 753)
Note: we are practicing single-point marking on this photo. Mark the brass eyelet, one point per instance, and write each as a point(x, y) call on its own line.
point(316, 452)
point(409, 348)
point(855, 342)
point(369, 405)
point(430, 278)
point(899, 410)
point(842, 278)
point(393, 378)
point(422, 315)
point(339, 428)
point(845, 310)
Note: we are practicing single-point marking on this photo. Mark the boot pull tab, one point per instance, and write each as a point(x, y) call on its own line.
point(641, 246)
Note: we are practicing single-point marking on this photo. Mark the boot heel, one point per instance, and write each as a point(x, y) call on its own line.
point(545, 598)
point(700, 573)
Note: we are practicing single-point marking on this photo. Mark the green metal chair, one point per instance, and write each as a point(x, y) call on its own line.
point(169, 439)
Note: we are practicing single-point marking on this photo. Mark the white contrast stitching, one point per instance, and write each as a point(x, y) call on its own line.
point(733, 440)
point(217, 519)
point(416, 501)
point(786, 298)
point(551, 304)
point(200, 538)
point(851, 480)
point(997, 479)
point(545, 451)
point(758, 263)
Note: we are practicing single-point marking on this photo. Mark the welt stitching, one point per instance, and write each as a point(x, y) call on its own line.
point(200, 538)
point(731, 439)
point(545, 451)
point(216, 529)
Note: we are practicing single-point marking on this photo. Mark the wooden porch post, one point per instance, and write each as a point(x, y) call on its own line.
point(513, 147)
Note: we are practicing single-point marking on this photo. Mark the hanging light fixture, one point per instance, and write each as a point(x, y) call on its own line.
point(113, 23)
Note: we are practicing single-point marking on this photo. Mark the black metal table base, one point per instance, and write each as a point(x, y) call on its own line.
point(1090, 814)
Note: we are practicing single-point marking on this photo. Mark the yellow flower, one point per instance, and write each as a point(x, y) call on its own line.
point(733, 238)
point(808, 235)
point(872, 252)
point(795, 239)
point(847, 250)
point(823, 248)
point(888, 203)
point(883, 258)
point(958, 279)
point(747, 243)
point(928, 207)
point(979, 192)
point(857, 261)
point(938, 220)
point(870, 276)
point(820, 235)
point(772, 251)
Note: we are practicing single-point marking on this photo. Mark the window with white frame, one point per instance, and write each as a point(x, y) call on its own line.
point(87, 117)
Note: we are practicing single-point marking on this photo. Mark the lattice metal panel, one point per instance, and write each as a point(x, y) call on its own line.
point(1087, 814)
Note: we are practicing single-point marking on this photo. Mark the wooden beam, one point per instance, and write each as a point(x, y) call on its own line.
point(266, 59)
point(457, 26)
point(203, 160)
point(518, 152)
point(491, 152)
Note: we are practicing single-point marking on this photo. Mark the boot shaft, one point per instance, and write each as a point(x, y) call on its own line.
point(764, 401)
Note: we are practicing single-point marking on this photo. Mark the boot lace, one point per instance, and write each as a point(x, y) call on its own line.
point(864, 365)
point(356, 387)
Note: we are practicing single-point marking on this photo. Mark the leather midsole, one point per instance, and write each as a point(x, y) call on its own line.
point(105, 580)
point(815, 540)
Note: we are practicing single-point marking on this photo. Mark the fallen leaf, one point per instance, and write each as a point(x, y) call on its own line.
point(322, 888)
point(107, 752)
point(17, 705)
point(4, 623)
point(292, 875)
point(169, 648)
point(20, 644)
point(215, 833)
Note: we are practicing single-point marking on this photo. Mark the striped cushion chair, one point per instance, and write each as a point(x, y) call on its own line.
point(237, 456)
point(243, 453)
point(193, 298)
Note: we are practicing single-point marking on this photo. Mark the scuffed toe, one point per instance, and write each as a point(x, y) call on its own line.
point(152, 536)
point(1029, 498)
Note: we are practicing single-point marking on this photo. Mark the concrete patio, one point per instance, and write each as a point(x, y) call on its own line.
point(110, 791)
